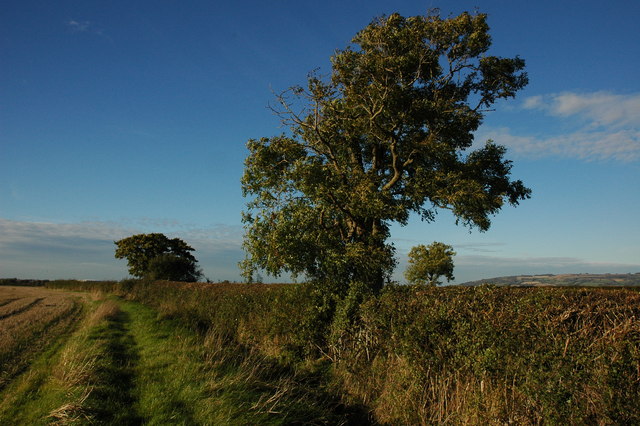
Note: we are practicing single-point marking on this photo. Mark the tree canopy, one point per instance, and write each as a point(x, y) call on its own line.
point(428, 263)
point(388, 133)
point(157, 257)
point(173, 268)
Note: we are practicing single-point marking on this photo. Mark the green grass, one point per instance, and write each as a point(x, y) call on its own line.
point(29, 399)
point(169, 383)
point(126, 365)
point(184, 378)
point(112, 399)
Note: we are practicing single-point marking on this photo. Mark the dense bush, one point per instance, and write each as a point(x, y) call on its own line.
point(172, 268)
point(513, 355)
point(453, 354)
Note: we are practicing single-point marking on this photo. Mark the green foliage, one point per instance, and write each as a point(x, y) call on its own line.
point(157, 257)
point(507, 355)
point(428, 264)
point(173, 268)
point(384, 136)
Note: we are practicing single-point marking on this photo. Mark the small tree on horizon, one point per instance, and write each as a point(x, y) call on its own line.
point(158, 257)
point(428, 263)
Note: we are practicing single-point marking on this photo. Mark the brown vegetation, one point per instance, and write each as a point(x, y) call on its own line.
point(30, 319)
point(526, 356)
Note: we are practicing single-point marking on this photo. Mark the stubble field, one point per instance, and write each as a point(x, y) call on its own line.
point(30, 319)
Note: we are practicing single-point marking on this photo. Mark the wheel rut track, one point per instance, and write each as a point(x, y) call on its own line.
point(114, 401)
point(11, 365)
point(7, 301)
point(22, 308)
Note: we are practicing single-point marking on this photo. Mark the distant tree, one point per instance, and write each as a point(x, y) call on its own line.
point(173, 268)
point(154, 255)
point(387, 134)
point(428, 263)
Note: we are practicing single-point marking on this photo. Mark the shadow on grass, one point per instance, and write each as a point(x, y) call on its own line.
point(112, 400)
point(274, 393)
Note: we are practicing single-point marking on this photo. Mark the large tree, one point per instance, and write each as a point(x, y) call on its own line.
point(156, 256)
point(386, 134)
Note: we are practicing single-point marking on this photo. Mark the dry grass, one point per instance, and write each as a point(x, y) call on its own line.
point(106, 311)
point(67, 374)
point(32, 317)
point(77, 369)
point(70, 413)
point(16, 306)
point(16, 328)
point(77, 364)
point(423, 356)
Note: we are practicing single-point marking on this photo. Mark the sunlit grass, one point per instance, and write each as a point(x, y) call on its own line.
point(185, 378)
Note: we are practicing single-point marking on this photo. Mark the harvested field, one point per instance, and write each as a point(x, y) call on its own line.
point(18, 305)
point(30, 319)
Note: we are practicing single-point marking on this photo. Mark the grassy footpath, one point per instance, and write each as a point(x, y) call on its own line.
point(184, 378)
point(124, 366)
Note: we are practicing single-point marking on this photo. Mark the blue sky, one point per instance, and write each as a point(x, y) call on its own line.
point(125, 117)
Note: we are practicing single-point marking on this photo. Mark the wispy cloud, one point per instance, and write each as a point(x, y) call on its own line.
point(472, 267)
point(536, 262)
point(606, 126)
point(478, 247)
point(405, 244)
point(79, 26)
point(19, 232)
point(599, 108)
point(621, 145)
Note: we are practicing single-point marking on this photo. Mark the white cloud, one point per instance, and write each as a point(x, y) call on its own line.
point(621, 145)
point(78, 26)
point(533, 102)
point(599, 108)
point(478, 247)
point(19, 232)
point(479, 266)
point(608, 127)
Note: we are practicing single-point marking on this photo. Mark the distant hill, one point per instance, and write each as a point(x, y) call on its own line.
point(563, 280)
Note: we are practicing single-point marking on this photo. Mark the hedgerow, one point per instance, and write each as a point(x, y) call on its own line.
point(423, 355)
